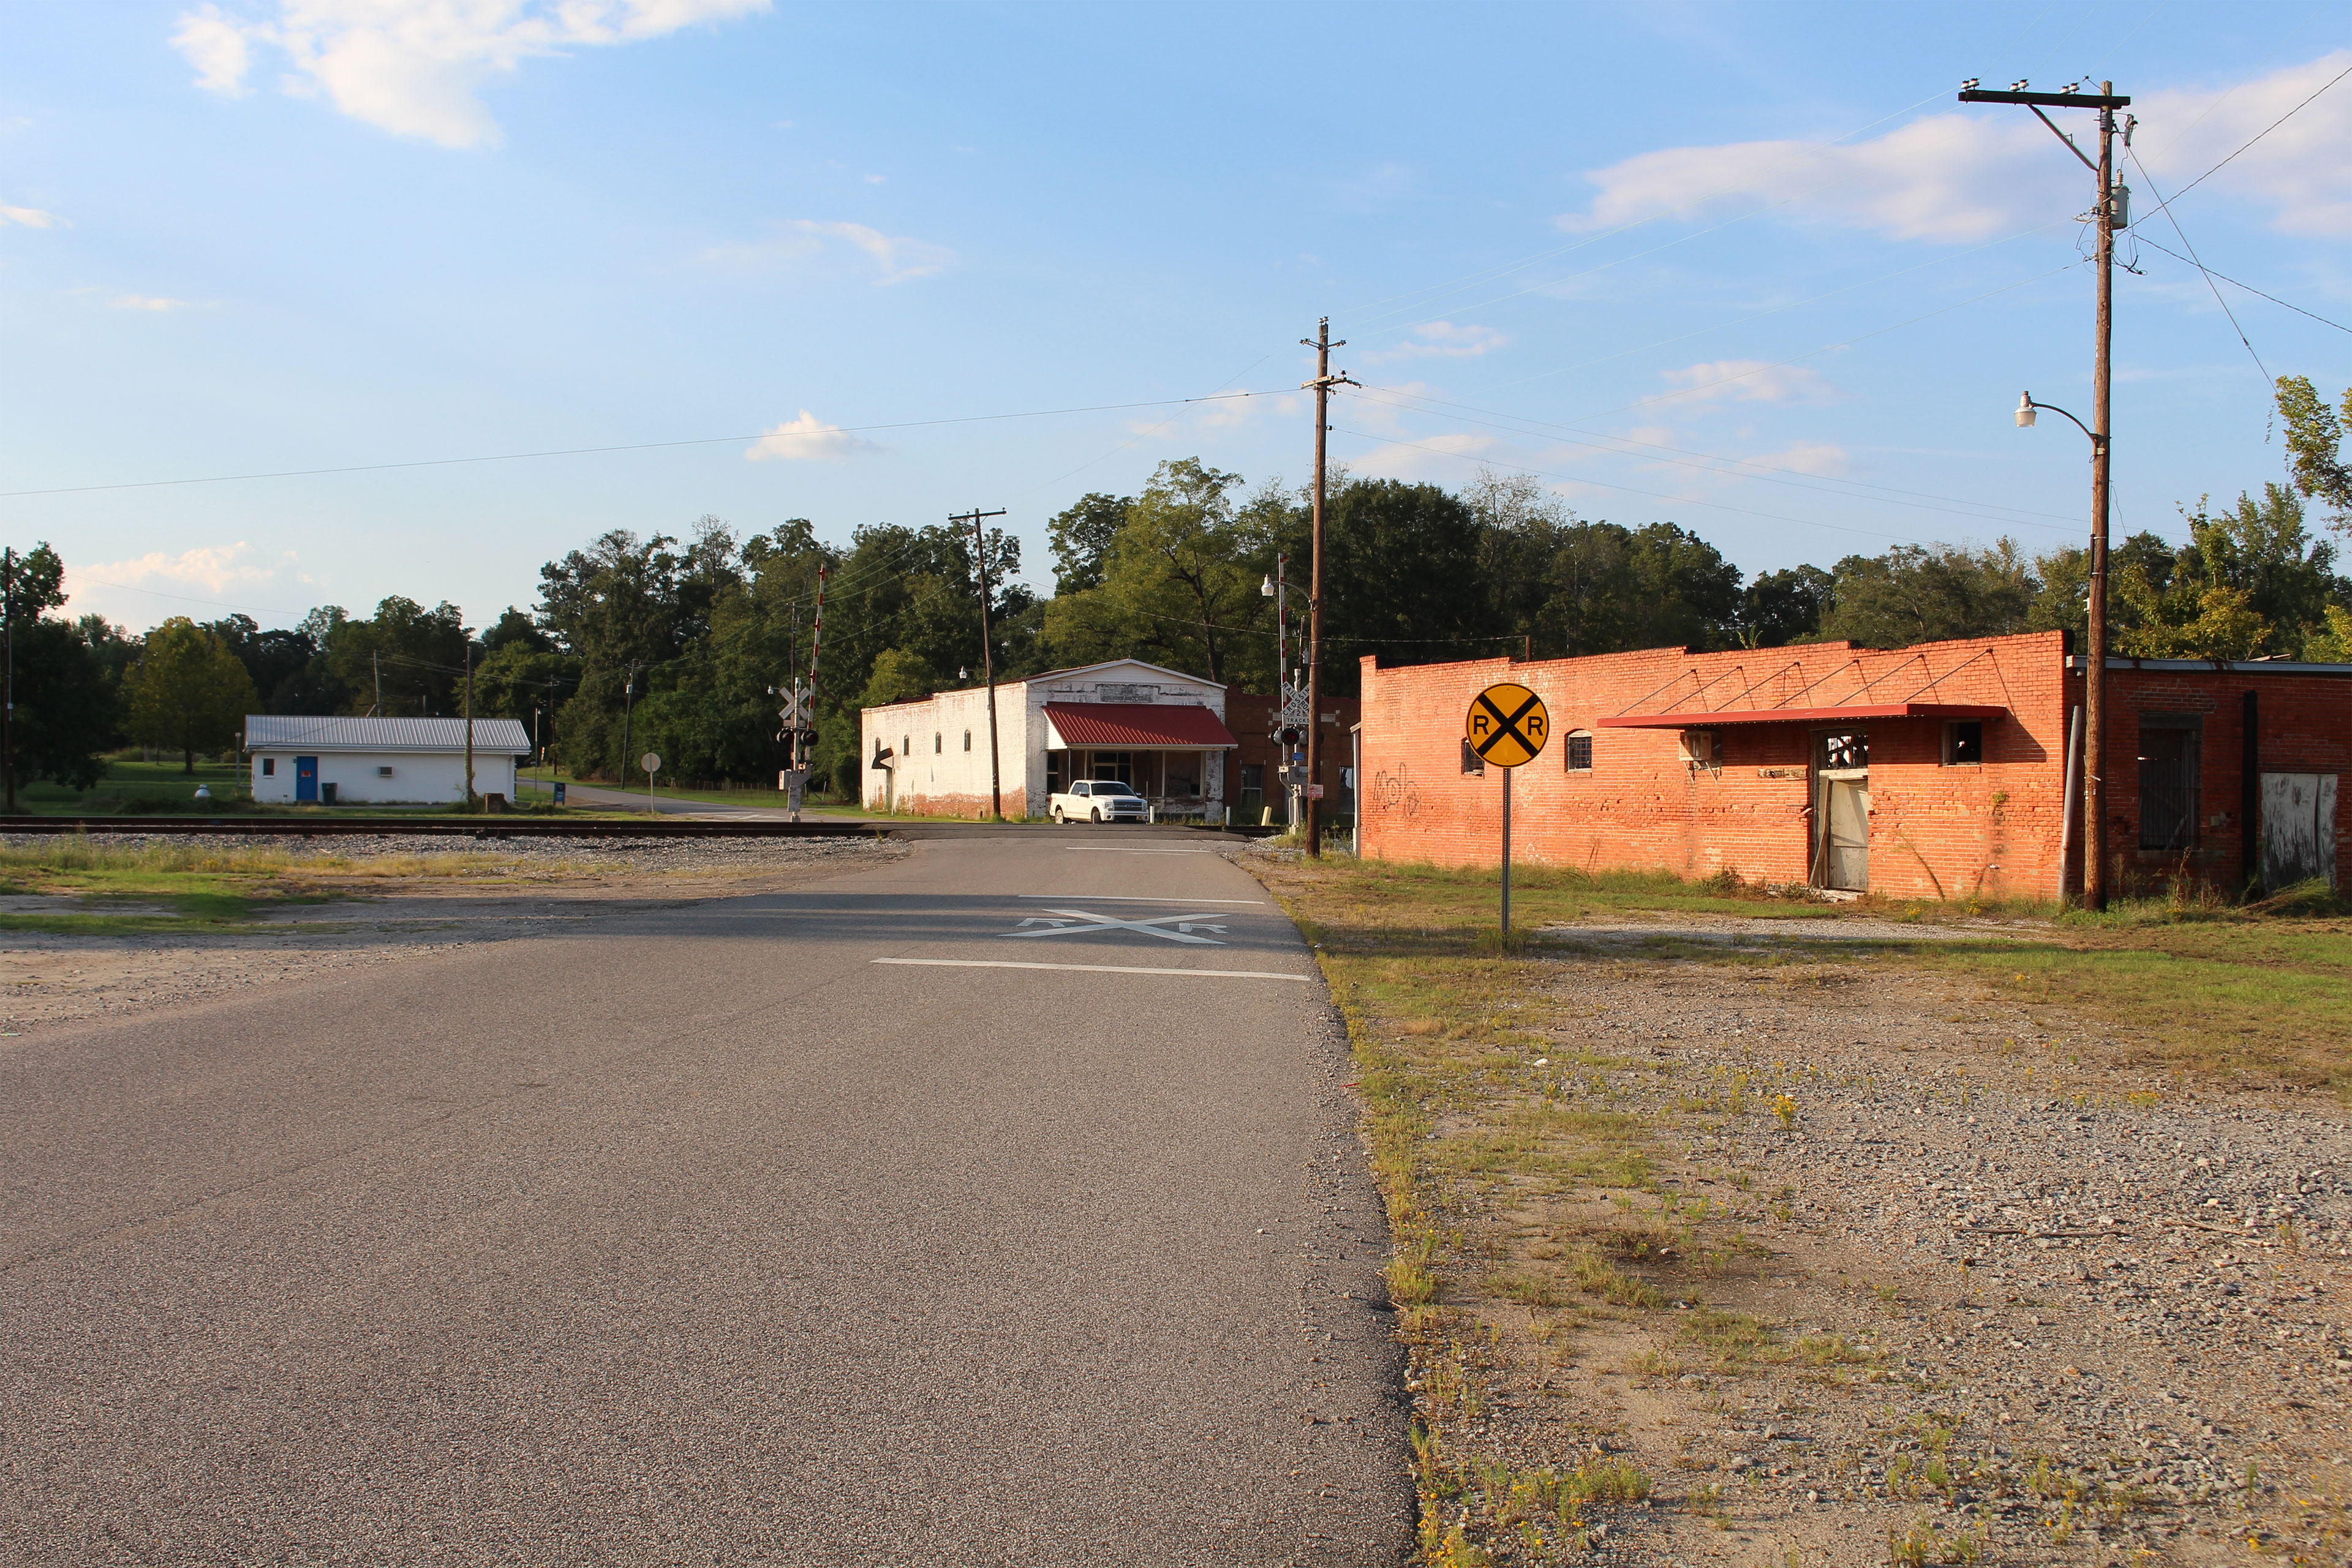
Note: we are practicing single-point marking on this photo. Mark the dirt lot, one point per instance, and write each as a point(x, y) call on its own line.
point(356, 902)
point(1769, 1241)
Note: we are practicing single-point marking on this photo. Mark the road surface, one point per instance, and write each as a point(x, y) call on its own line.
point(795, 1228)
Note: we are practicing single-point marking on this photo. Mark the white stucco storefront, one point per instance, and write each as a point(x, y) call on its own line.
point(1159, 729)
point(379, 761)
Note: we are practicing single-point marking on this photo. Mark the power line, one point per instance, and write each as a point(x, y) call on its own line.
point(630, 447)
point(2257, 136)
point(2164, 208)
point(1795, 479)
point(1633, 489)
point(2247, 287)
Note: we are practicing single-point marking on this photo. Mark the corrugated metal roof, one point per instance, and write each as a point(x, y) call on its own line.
point(294, 732)
point(1115, 724)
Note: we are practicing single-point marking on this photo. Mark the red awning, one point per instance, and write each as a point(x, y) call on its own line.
point(1802, 715)
point(1139, 726)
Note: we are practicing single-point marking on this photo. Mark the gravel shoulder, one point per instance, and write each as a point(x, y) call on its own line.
point(1847, 1258)
point(384, 900)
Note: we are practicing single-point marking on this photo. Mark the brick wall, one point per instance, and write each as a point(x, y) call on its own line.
point(1935, 830)
point(1250, 717)
point(2304, 725)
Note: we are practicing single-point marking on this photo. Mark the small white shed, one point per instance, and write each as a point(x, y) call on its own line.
point(380, 762)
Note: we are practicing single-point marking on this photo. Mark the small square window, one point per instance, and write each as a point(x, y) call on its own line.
point(383, 772)
point(1577, 756)
point(1963, 742)
point(269, 767)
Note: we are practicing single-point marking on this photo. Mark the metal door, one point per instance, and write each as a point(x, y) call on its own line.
point(2298, 829)
point(1846, 859)
point(306, 778)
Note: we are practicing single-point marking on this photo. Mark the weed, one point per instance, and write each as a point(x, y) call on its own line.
point(1785, 1107)
point(1732, 1338)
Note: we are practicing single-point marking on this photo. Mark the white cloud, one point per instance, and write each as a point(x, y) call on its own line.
point(1745, 381)
point(807, 439)
point(202, 582)
point(27, 217)
point(1443, 340)
point(146, 302)
point(219, 49)
point(898, 260)
point(896, 257)
point(1439, 456)
point(411, 66)
point(1966, 177)
point(1822, 458)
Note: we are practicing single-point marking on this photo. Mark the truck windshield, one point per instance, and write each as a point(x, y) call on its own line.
point(1112, 787)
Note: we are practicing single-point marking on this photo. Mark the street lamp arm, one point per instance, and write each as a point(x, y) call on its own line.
point(2085, 429)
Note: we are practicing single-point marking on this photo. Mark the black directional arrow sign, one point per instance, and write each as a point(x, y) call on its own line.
point(1508, 725)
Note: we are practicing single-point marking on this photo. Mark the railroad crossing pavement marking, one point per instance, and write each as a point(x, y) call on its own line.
point(1101, 968)
point(1064, 923)
point(1115, 849)
point(1138, 898)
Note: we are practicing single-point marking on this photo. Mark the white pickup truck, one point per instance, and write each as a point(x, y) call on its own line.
point(1097, 800)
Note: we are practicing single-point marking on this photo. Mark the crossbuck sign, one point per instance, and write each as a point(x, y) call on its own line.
point(1508, 726)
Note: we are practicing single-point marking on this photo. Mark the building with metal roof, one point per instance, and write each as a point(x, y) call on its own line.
point(353, 760)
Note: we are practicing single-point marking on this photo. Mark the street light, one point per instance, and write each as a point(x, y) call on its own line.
point(2086, 798)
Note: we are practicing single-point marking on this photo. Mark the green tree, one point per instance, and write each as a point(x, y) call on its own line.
point(188, 692)
point(65, 696)
point(1082, 538)
point(1917, 594)
point(2313, 443)
point(405, 659)
point(1179, 582)
point(2250, 583)
point(1780, 607)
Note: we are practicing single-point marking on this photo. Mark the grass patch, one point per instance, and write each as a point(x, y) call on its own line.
point(2266, 995)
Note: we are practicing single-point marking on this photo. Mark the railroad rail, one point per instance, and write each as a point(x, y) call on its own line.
point(528, 828)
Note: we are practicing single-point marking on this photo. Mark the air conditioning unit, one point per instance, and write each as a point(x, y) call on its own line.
point(1699, 748)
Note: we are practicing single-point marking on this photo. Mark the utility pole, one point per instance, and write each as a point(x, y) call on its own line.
point(375, 662)
point(469, 723)
point(987, 654)
point(1323, 383)
point(628, 708)
point(8, 720)
point(2095, 673)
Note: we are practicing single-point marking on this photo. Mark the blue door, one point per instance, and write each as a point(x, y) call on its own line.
point(306, 778)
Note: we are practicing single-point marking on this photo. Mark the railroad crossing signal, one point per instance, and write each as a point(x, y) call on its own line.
point(795, 713)
point(1508, 725)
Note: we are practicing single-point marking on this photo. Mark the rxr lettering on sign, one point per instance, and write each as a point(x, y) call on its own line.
point(1508, 725)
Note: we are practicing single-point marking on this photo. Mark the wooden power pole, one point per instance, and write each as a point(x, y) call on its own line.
point(987, 654)
point(1323, 383)
point(2095, 671)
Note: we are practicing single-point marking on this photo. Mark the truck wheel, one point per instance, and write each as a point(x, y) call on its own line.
point(1058, 817)
point(1094, 815)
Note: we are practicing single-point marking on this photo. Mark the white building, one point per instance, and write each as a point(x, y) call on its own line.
point(1158, 730)
point(380, 762)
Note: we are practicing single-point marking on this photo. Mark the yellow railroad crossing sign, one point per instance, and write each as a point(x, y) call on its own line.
point(1508, 725)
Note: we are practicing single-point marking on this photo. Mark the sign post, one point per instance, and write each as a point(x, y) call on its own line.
point(1508, 726)
point(651, 762)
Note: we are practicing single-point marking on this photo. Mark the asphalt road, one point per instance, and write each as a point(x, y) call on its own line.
point(789, 1229)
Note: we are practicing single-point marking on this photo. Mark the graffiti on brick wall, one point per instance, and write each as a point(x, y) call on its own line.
point(1395, 791)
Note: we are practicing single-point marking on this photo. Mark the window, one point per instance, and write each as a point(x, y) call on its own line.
point(1577, 757)
point(967, 740)
point(1081, 787)
point(269, 767)
point(1843, 751)
point(939, 742)
point(383, 772)
point(1964, 743)
point(2167, 782)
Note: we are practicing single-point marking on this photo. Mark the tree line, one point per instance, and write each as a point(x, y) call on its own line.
point(674, 643)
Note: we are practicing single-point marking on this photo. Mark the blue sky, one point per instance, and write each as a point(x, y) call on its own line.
point(1746, 268)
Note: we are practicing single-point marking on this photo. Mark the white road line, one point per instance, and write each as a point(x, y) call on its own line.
point(1099, 968)
point(1114, 850)
point(1129, 899)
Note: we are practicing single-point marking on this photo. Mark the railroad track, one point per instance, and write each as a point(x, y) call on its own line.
point(528, 828)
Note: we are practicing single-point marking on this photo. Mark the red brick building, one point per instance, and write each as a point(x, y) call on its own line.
point(1939, 771)
point(1254, 765)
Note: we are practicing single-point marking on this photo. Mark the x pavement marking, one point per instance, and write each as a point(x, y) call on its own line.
point(1059, 923)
